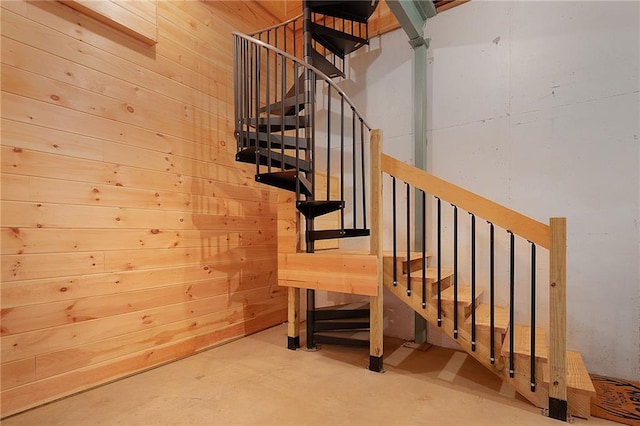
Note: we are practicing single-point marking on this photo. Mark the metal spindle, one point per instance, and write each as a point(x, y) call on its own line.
point(424, 250)
point(455, 271)
point(312, 149)
point(533, 316)
point(439, 250)
point(257, 107)
point(395, 234)
point(362, 174)
point(283, 75)
point(408, 239)
point(342, 158)
point(492, 314)
point(473, 282)
point(296, 107)
point(276, 65)
point(268, 106)
point(512, 275)
point(353, 168)
point(329, 142)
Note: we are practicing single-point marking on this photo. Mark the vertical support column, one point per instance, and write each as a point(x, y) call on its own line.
point(376, 302)
point(293, 314)
point(288, 224)
point(420, 46)
point(558, 319)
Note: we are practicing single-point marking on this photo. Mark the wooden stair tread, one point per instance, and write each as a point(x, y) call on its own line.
point(577, 375)
point(522, 342)
point(464, 294)
point(402, 255)
point(483, 317)
point(432, 274)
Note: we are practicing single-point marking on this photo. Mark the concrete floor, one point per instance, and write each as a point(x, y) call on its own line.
point(256, 380)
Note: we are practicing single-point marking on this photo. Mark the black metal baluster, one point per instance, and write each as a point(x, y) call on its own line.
point(473, 282)
point(408, 239)
point(395, 233)
point(533, 316)
point(512, 275)
point(492, 313)
point(276, 65)
point(455, 272)
point(283, 75)
point(257, 108)
point(342, 159)
point(267, 103)
point(424, 250)
point(296, 89)
point(329, 142)
point(353, 167)
point(439, 249)
point(362, 171)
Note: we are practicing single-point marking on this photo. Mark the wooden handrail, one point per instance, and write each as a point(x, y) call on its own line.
point(519, 224)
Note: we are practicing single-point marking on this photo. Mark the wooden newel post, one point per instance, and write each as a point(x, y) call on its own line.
point(558, 319)
point(376, 319)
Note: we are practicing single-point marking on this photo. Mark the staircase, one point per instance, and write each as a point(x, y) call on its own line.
point(306, 137)
point(279, 128)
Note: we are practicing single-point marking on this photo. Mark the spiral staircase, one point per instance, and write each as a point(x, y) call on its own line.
point(306, 137)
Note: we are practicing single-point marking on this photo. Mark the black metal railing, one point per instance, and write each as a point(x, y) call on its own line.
point(285, 111)
point(484, 242)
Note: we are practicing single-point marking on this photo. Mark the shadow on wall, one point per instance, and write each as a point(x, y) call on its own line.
point(235, 218)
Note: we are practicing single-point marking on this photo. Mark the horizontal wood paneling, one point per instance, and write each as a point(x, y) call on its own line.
point(129, 235)
point(139, 22)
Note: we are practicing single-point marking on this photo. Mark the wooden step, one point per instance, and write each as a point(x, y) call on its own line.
point(577, 375)
point(415, 262)
point(464, 294)
point(522, 342)
point(464, 301)
point(580, 388)
point(483, 317)
point(446, 276)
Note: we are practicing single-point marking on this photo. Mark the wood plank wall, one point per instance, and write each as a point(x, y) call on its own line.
point(130, 237)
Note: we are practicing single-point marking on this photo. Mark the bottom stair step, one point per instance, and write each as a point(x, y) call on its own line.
point(580, 388)
point(577, 375)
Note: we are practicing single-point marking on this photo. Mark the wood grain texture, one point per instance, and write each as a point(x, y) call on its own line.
point(349, 273)
point(504, 217)
point(138, 21)
point(558, 309)
point(129, 234)
point(376, 302)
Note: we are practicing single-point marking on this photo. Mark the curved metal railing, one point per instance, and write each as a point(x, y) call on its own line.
point(288, 112)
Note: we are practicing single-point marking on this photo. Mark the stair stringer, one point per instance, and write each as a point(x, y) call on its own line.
point(520, 382)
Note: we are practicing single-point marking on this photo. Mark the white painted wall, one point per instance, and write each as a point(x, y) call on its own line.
point(536, 106)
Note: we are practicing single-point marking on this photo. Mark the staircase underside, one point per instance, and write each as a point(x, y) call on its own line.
point(355, 272)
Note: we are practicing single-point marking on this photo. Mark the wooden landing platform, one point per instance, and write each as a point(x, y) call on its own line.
point(343, 272)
